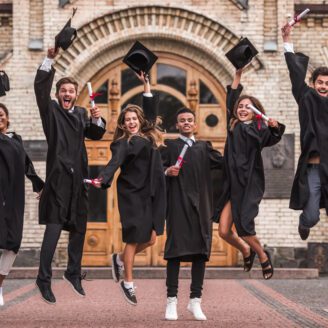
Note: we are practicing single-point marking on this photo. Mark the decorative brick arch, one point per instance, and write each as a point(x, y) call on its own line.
point(166, 29)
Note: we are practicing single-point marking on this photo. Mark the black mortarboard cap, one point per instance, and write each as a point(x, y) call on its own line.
point(139, 58)
point(66, 36)
point(4, 83)
point(242, 53)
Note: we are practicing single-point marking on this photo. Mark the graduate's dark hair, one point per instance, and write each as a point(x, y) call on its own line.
point(5, 109)
point(255, 102)
point(183, 110)
point(323, 70)
point(147, 130)
point(65, 80)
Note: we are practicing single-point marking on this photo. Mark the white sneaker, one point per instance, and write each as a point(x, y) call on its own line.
point(2, 302)
point(171, 309)
point(195, 308)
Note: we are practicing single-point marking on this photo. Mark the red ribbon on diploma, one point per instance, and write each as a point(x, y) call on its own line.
point(94, 95)
point(258, 118)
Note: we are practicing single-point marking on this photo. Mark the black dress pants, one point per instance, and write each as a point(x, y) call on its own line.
point(49, 244)
point(197, 277)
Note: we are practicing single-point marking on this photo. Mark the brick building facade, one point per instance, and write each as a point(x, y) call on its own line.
point(200, 31)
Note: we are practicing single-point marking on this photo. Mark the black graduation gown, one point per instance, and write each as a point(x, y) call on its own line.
point(64, 198)
point(140, 185)
point(313, 118)
point(190, 200)
point(243, 175)
point(14, 164)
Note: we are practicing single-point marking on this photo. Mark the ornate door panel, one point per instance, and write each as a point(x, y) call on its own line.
point(178, 82)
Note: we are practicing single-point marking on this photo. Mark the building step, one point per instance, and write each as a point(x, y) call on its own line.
point(160, 273)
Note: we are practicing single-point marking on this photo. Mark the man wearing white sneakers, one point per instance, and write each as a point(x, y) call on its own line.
point(189, 211)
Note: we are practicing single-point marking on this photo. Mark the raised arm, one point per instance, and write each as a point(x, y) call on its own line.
point(43, 83)
point(233, 93)
point(297, 65)
point(149, 105)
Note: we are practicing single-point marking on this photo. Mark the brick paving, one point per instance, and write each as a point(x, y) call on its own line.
point(227, 303)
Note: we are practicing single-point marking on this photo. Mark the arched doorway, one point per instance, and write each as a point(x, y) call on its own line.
point(178, 82)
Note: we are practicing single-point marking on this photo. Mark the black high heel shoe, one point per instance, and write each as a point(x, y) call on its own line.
point(267, 267)
point(248, 261)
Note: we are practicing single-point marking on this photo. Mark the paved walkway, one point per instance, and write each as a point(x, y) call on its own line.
point(227, 303)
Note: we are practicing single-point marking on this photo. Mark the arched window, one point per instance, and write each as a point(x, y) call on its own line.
point(176, 82)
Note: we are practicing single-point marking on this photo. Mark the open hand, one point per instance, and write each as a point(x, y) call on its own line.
point(52, 53)
point(143, 77)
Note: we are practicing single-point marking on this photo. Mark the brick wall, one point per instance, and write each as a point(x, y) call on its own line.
point(6, 31)
point(277, 225)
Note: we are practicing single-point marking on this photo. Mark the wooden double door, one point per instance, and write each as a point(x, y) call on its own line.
point(177, 82)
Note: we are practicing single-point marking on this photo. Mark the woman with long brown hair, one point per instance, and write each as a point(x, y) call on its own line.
point(140, 185)
point(244, 174)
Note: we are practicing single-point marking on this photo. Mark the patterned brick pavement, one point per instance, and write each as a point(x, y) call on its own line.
point(227, 303)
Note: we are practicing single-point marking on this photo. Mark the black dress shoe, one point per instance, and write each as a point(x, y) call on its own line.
point(75, 283)
point(46, 293)
point(303, 232)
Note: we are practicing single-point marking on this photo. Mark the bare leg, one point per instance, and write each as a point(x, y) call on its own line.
point(129, 253)
point(128, 259)
point(141, 247)
point(151, 242)
point(230, 236)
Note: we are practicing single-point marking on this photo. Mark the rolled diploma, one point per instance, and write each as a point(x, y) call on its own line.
point(181, 156)
point(87, 181)
point(92, 102)
point(256, 111)
point(299, 17)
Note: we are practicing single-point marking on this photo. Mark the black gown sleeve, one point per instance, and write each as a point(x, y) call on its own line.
point(165, 155)
point(232, 97)
point(30, 173)
point(42, 88)
point(297, 66)
point(149, 106)
point(119, 150)
point(215, 157)
point(93, 131)
point(270, 136)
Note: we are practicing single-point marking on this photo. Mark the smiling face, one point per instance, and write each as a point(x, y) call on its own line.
point(321, 85)
point(4, 121)
point(131, 122)
point(66, 96)
point(244, 114)
point(186, 124)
